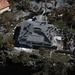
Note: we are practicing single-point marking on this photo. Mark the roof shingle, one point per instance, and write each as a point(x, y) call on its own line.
point(3, 4)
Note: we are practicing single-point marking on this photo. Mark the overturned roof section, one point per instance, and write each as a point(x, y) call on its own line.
point(3, 4)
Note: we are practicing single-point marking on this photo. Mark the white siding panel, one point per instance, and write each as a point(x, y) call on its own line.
point(3, 10)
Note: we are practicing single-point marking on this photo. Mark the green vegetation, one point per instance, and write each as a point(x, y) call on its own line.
point(33, 14)
point(4, 45)
point(53, 68)
point(21, 57)
point(42, 51)
point(15, 59)
point(70, 1)
point(36, 7)
point(59, 57)
point(60, 24)
point(11, 1)
point(73, 54)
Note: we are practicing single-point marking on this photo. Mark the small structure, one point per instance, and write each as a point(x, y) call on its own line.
point(4, 6)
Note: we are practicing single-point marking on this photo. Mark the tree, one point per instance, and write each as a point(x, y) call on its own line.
point(11, 1)
point(73, 54)
point(70, 1)
point(71, 67)
point(65, 43)
point(25, 4)
point(42, 51)
point(15, 59)
point(10, 47)
point(1, 41)
point(53, 68)
point(23, 57)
